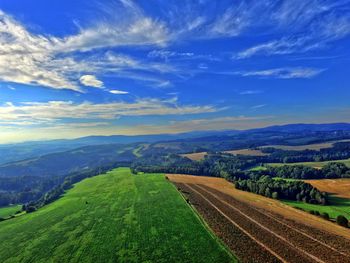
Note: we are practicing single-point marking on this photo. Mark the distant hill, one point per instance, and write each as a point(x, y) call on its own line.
point(63, 163)
point(306, 127)
point(21, 151)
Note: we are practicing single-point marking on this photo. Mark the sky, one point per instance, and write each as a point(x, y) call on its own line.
point(77, 68)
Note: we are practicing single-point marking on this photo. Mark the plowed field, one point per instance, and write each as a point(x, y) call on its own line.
point(258, 231)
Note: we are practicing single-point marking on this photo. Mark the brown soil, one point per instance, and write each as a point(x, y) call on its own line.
point(257, 231)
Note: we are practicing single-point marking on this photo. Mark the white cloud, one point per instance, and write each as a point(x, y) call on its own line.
point(50, 61)
point(91, 81)
point(282, 73)
point(56, 111)
point(24, 57)
point(258, 106)
point(58, 62)
point(140, 32)
point(232, 22)
point(118, 92)
point(250, 92)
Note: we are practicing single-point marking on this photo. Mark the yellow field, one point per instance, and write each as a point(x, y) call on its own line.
point(250, 152)
point(195, 156)
point(316, 165)
point(337, 187)
point(199, 156)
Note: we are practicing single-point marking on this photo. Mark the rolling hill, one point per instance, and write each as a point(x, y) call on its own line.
point(115, 217)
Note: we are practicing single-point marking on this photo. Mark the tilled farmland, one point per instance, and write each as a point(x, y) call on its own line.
point(258, 235)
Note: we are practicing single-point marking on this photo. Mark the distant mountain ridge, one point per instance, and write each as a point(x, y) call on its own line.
point(306, 127)
point(21, 151)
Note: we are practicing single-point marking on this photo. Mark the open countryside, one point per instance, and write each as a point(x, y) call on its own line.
point(116, 216)
point(149, 131)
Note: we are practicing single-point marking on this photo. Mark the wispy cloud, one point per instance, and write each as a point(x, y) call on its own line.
point(258, 106)
point(59, 62)
point(218, 123)
point(52, 111)
point(307, 26)
point(250, 92)
point(50, 61)
point(282, 73)
point(166, 54)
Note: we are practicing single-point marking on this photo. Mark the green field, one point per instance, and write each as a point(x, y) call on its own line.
point(258, 168)
point(337, 206)
point(9, 210)
point(285, 179)
point(313, 164)
point(116, 217)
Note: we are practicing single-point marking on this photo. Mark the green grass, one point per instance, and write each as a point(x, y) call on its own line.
point(285, 179)
point(313, 164)
point(337, 206)
point(127, 218)
point(9, 210)
point(258, 168)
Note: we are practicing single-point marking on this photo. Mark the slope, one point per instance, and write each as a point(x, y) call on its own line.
point(116, 217)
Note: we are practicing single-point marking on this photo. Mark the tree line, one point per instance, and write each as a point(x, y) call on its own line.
point(331, 170)
point(281, 189)
point(234, 169)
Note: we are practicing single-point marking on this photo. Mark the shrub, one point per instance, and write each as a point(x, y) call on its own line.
point(325, 215)
point(275, 195)
point(342, 221)
point(30, 209)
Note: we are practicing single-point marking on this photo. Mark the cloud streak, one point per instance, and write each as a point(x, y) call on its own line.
point(282, 73)
point(39, 113)
point(307, 26)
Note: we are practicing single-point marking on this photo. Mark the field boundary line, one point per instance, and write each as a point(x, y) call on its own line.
point(238, 226)
point(265, 228)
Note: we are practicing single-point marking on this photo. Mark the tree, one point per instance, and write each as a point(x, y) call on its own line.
point(342, 221)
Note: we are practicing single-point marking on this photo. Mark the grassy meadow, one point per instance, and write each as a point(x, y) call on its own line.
point(337, 206)
point(9, 210)
point(115, 217)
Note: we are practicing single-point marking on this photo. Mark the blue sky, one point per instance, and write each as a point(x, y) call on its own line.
point(76, 68)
